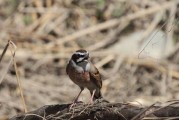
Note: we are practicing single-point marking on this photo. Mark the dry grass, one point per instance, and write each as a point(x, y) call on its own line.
point(47, 32)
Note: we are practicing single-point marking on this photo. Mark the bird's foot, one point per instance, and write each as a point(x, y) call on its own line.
point(74, 103)
point(71, 106)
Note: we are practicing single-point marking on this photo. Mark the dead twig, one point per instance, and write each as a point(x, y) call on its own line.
point(1, 57)
point(152, 26)
point(13, 51)
point(4, 51)
point(113, 22)
point(154, 65)
point(143, 113)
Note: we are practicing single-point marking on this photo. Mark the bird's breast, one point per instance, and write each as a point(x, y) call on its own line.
point(80, 75)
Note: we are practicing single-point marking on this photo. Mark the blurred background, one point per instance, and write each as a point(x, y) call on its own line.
point(133, 43)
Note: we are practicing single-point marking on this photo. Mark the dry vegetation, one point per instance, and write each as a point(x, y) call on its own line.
point(46, 32)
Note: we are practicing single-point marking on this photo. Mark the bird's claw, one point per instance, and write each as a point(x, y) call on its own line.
point(74, 103)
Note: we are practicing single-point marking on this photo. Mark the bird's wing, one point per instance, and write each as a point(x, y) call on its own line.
point(67, 68)
point(95, 76)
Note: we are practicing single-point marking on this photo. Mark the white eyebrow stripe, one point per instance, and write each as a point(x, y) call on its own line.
point(79, 53)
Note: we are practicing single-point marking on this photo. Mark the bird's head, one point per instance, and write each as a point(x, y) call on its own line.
point(80, 56)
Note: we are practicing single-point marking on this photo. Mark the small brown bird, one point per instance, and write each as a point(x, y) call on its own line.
point(83, 73)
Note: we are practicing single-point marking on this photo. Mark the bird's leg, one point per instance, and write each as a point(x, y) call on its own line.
point(76, 98)
point(90, 101)
point(92, 96)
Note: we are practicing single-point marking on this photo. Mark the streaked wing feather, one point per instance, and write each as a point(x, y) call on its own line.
point(95, 76)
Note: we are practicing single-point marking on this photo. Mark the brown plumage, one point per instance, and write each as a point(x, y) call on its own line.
point(83, 73)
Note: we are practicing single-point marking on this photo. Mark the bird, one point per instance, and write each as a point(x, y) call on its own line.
point(84, 74)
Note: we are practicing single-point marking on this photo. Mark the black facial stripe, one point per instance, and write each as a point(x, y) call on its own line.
point(81, 55)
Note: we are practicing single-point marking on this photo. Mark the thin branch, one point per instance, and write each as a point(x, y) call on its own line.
point(17, 75)
point(113, 22)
